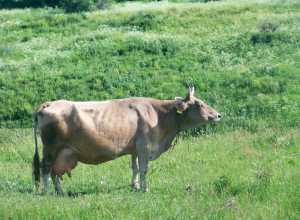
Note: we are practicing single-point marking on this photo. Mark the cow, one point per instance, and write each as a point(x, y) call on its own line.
point(96, 132)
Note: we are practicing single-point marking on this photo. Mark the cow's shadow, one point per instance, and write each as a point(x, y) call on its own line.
point(97, 190)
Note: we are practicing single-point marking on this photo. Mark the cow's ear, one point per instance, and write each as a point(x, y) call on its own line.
point(180, 106)
point(178, 99)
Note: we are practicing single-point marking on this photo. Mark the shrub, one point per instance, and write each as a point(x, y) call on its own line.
point(268, 26)
point(266, 33)
point(204, 1)
point(72, 6)
point(144, 21)
point(223, 183)
point(102, 4)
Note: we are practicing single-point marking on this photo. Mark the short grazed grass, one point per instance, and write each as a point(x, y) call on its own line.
point(234, 175)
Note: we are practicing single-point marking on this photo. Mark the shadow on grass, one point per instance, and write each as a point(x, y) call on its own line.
point(73, 194)
point(98, 191)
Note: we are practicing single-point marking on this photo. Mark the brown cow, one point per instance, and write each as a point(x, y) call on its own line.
point(96, 132)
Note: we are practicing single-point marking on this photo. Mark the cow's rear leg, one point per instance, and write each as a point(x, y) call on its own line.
point(46, 164)
point(56, 183)
point(135, 171)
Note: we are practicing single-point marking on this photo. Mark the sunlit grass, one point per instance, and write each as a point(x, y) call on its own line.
point(246, 167)
point(234, 175)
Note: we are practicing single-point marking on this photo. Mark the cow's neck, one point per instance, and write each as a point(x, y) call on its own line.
point(167, 116)
point(169, 125)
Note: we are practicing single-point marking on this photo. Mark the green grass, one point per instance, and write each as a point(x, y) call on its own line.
point(243, 58)
point(233, 175)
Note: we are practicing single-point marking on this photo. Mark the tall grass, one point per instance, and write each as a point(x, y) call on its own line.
point(234, 175)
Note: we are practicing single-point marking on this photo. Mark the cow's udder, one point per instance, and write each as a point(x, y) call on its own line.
point(66, 161)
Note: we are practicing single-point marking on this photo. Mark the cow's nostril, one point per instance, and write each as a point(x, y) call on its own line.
point(219, 116)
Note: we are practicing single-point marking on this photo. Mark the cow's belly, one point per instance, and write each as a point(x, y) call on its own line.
point(100, 150)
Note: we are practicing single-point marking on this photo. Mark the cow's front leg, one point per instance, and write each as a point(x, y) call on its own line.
point(143, 158)
point(135, 171)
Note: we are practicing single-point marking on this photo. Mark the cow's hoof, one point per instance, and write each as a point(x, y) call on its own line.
point(135, 186)
point(60, 193)
point(146, 190)
point(44, 192)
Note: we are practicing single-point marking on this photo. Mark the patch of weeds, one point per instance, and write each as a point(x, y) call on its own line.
point(225, 185)
point(263, 177)
point(262, 37)
point(268, 26)
point(73, 19)
point(140, 45)
point(169, 46)
point(291, 162)
point(143, 20)
point(26, 38)
point(266, 33)
point(102, 4)
point(204, 1)
point(72, 6)
point(33, 24)
point(89, 51)
point(141, 15)
point(200, 131)
point(5, 50)
point(83, 15)
point(275, 141)
point(54, 11)
point(162, 46)
point(222, 185)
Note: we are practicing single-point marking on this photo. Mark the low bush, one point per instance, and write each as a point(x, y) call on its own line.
point(73, 6)
point(70, 6)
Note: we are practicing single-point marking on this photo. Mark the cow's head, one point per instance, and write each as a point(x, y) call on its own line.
point(196, 110)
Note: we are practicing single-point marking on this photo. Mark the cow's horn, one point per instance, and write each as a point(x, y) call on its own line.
point(189, 89)
point(189, 92)
point(192, 90)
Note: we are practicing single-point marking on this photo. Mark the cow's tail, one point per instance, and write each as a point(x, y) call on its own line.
point(36, 159)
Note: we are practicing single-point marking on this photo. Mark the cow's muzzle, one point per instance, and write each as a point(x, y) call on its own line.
point(217, 118)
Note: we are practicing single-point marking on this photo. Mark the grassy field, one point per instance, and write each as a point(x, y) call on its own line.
point(237, 175)
point(241, 55)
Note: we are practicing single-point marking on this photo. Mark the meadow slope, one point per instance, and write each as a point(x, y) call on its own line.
point(241, 55)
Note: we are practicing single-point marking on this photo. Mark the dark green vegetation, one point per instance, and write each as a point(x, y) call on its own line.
point(71, 6)
point(248, 73)
point(243, 59)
